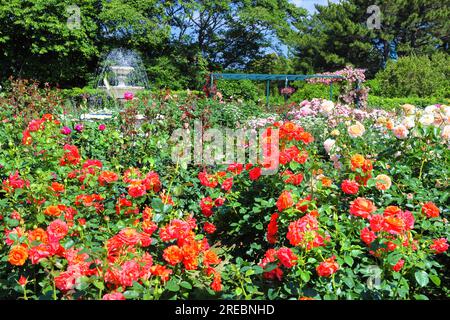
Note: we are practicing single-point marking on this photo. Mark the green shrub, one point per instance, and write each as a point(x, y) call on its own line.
point(241, 89)
point(415, 76)
point(309, 91)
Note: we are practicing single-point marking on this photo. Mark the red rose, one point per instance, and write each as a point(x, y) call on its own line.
point(399, 265)
point(227, 184)
point(255, 173)
point(207, 204)
point(286, 257)
point(439, 245)
point(327, 267)
point(272, 229)
point(367, 236)
point(209, 227)
point(350, 187)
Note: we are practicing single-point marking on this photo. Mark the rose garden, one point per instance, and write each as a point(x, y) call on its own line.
point(181, 194)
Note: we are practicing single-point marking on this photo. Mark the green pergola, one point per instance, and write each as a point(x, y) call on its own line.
point(271, 77)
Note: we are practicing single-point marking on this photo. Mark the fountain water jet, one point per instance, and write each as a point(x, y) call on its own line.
point(122, 70)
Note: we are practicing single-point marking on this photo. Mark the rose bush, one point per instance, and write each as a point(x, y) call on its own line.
point(357, 209)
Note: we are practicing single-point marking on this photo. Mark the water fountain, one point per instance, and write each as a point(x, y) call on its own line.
point(122, 70)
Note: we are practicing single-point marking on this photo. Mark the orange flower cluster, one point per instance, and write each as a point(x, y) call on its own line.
point(327, 267)
point(291, 131)
point(90, 200)
point(365, 166)
point(305, 233)
point(139, 187)
point(71, 156)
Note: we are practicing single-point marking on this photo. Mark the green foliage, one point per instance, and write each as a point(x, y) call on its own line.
point(308, 91)
point(38, 43)
point(240, 89)
point(415, 76)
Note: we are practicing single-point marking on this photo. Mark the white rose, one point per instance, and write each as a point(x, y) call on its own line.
point(326, 106)
point(430, 109)
point(409, 122)
point(426, 119)
point(328, 145)
point(446, 133)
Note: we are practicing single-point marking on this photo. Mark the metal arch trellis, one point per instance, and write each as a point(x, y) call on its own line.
point(271, 77)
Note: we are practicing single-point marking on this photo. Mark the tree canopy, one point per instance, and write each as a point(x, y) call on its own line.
point(180, 40)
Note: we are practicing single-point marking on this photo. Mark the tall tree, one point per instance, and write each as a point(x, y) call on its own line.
point(49, 40)
point(231, 32)
point(339, 33)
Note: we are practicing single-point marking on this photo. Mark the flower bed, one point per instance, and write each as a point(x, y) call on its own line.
point(358, 209)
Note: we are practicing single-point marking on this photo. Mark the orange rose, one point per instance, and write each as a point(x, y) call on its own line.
point(18, 255)
point(210, 257)
point(285, 201)
point(356, 130)
point(389, 124)
point(107, 177)
point(430, 210)
point(326, 182)
point(38, 234)
point(391, 211)
point(362, 207)
point(357, 161)
point(173, 255)
point(52, 211)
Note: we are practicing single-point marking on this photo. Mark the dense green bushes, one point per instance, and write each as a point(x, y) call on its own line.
point(414, 76)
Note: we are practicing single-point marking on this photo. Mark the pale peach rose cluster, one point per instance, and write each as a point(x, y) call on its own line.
point(383, 182)
point(356, 130)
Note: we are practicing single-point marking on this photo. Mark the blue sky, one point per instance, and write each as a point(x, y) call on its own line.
point(309, 4)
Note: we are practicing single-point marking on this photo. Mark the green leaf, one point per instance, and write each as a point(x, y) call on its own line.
point(435, 279)
point(99, 284)
point(349, 282)
point(157, 204)
point(129, 294)
point(348, 260)
point(171, 285)
point(393, 258)
point(40, 217)
point(304, 275)
point(421, 278)
point(420, 297)
point(186, 285)
point(258, 269)
point(270, 266)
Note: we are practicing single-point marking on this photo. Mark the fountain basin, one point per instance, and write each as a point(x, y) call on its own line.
point(118, 92)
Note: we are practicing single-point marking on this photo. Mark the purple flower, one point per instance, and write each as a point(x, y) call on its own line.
point(79, 127)
point(128, 95)
point(102, 127)
point(66, 131)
